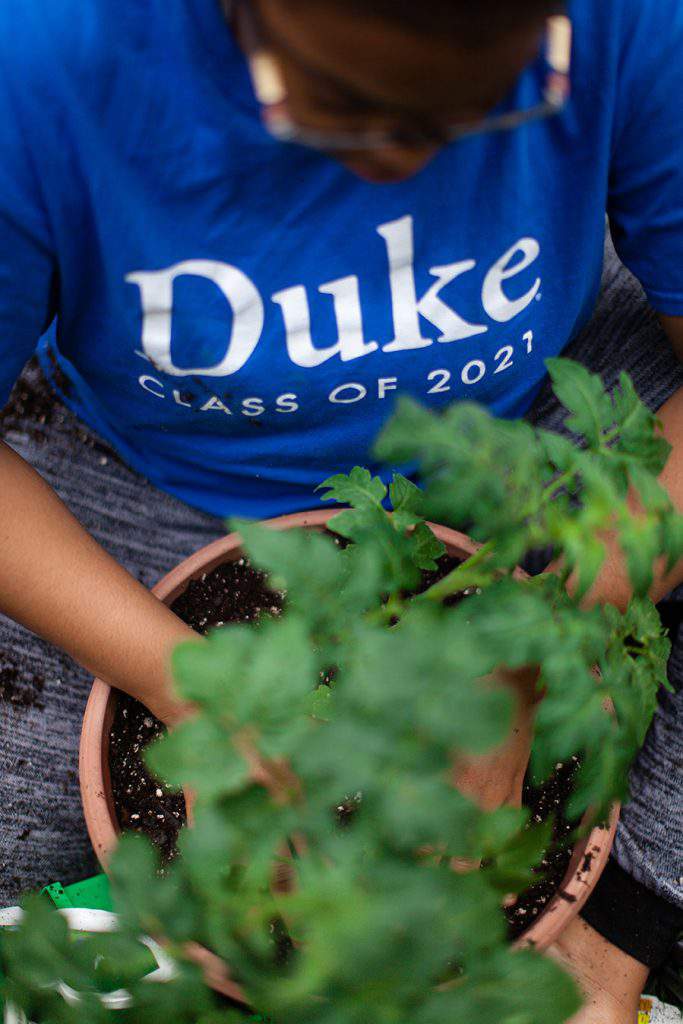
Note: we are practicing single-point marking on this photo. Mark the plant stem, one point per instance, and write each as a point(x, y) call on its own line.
point(611, 435)
point(557, 485)
point(392, 608)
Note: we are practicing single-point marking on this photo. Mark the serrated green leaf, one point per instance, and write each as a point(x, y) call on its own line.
point(286, 556)
point(640, 541)
point(427, 547)
point(559, 450)
point(639, 433)
point(320, 704)
point(405, 496)
point(586, 554)
point(651, 494)
point(347, 797)
point(583, 395)
point(198, 754)
point(357, 488)
point(512, 869)
point(672, 536)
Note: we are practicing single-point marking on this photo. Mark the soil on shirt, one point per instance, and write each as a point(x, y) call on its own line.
point(34, 405)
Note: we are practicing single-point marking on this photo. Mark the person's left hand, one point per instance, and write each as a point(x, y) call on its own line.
point(496, 779)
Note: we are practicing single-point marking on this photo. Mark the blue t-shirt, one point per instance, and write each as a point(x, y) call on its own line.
point(237, 315)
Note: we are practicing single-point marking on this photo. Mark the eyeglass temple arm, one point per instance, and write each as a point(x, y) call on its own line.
point(560, 34)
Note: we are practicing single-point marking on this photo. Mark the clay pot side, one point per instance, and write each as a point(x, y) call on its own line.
point(590, 854)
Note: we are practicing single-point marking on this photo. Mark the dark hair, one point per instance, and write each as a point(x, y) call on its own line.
point(471, 19)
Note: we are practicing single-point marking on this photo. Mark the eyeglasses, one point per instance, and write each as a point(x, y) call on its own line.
point(271, 92)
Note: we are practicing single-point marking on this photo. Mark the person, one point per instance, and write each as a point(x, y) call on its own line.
point(234, 234)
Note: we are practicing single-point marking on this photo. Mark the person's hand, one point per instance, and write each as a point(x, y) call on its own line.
point(169, 708)
point(611, 981)
point(57, 581)
point(496, 779)
point(172, 713)
point(149, 676)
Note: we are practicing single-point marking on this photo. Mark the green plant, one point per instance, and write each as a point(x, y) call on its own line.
point(378, 927)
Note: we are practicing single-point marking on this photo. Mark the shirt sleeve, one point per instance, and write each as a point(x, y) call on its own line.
point(645, 204)
point(27, 265)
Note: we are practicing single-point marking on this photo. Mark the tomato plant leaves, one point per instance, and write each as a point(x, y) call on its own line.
point(322, 751)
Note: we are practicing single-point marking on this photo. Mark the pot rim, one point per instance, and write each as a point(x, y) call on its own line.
point(588, 859)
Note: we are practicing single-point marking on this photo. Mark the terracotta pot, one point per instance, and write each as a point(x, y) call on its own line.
point(589, 857)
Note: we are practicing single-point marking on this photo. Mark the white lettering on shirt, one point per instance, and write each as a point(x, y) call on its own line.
point(494, 299)
point(407, 309)
point(156, 296)
point(297, 317)
point(410, 313)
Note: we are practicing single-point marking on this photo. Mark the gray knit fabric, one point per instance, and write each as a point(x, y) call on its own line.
point(43, 693)
point(624, 334)
point(42, 831)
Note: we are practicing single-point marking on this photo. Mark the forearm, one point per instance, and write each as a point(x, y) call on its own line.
point(613, 585)
point(56, 580)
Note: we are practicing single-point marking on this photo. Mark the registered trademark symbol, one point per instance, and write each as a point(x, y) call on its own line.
point(539, 297)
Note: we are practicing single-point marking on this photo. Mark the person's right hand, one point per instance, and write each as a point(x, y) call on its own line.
point(56, 580)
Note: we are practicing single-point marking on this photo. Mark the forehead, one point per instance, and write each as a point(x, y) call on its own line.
point(391, 63)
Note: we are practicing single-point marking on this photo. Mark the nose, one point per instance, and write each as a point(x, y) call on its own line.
point(390, 164)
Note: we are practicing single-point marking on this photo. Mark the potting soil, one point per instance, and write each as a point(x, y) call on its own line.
point(234, 592)
point(547, 800)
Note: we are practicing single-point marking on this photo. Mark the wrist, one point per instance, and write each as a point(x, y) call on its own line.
point(145, 672)
point(612, 585)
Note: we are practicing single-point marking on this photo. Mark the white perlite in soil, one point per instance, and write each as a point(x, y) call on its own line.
point(654, 1012)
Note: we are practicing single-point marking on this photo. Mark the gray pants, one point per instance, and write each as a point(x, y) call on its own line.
point(43, 693)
